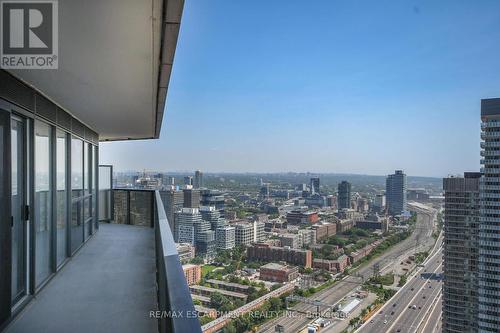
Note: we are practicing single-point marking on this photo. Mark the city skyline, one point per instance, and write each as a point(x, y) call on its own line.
point(248, 84)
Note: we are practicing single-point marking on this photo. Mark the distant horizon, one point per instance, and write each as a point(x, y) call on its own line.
point(186, 172)
point(355, 88)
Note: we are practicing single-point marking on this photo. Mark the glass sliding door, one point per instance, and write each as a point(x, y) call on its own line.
point(76, 193)
point(94, 187)
point(43, 201)
point(18, 202)
point(86, 186)
point(61, 195)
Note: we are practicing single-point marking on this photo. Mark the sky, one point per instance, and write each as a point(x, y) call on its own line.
point(325, 86)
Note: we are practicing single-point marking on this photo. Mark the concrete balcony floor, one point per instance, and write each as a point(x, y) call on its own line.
point(108, 286)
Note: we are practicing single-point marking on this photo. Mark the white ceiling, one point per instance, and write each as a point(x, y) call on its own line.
point(109, 64)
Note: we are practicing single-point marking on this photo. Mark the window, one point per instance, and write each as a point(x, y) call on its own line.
point(43, 201)
point(61, 196)
point(76, 193)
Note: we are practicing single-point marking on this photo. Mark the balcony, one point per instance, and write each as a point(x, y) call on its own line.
point(125, 273)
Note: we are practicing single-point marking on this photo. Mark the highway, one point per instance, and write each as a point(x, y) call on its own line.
point(416, 307)
point(421, 237)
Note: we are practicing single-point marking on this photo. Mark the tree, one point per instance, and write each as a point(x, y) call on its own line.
point(197, 261)
point(275, 304)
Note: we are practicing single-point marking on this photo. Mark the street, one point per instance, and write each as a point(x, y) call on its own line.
point(421, 238)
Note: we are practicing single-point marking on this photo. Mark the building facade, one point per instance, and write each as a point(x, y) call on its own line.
point(244, 233)
point(489, 220)
point(395, 192)
point(278, 273)
point(198, 179)
point(191, 198)
point(192, 274)
point(344, 195)
point(315, 185)
point(225, 237)
point(461, 227)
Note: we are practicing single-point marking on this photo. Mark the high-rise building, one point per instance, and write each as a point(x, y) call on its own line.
point(187, 225)
point(198, 179)
point(173, 201)
point(344, 196)
point(395, 192)
point(211, 215)
point(188, 180)
point(225, 237)
point(258, 231)
point(461, 226)
point(379, 203)
point(205, 243)
point(191, 198)
point(213, 198)
point(489, 220)
point(315, 185)
point(244, 233)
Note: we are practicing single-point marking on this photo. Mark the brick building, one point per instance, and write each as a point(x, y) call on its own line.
point(192, 273)
point(278, 273)
point(265, 252)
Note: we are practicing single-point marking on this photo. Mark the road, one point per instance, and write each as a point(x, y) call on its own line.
point(422, 236)
point(423, 291)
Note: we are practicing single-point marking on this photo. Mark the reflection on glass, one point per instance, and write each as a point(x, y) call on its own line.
point(18, 228)
point(86, 180)
point(61, 172)
point(94, 185)
point(76, 193)
point(43, 202)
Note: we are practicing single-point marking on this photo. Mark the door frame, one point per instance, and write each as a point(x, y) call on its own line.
point(5, 217)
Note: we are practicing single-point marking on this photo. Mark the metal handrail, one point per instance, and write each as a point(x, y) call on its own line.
point(177, 313)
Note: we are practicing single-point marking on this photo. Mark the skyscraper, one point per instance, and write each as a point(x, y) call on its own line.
point(461, 225)
point(315, 185)
point(211, 215)
point(173, 201)
point(191, 198)
point(395, 192)
point(344, 196)
point(489, 220)
point(188, 180)
point(198, 179)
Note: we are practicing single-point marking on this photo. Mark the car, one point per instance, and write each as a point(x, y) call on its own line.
point(371, 321)
point(423, 297)
point(399, 330)
point(430, 286)
point(419, 307)
point(394, 305)
point(412, 289)
point(385, 322)
point(381, 312)
point(392, 313)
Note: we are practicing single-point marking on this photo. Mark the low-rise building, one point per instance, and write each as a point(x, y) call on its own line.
point(324, 230)
point(265, 252)
point(308, 236)
point(204, 311)
point(278, 273)
point(328, 265)
point(192, 273)
point(341, 263)
point(240, 288)
point(291, 240)
point(302, 217)
point(207, 292)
